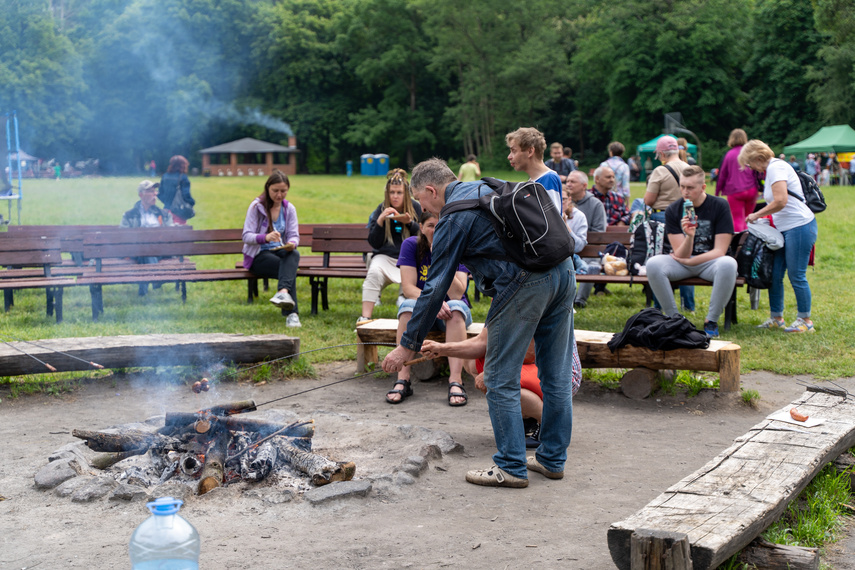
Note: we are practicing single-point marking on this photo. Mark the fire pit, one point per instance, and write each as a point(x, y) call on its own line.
point(235, 447)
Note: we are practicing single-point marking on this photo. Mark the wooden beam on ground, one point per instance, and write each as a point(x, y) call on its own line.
point(143, 351)
point(727, 503)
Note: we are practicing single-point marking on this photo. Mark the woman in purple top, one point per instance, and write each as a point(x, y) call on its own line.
point(738, 185)
point(454, 317)
point(272, 251)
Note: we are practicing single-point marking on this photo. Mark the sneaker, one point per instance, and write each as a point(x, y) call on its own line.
point(293, 320)
point(361, 320)
point(580, 304)
point(800, 326)
point(534, 465)
point(495, 477)
point(711, 328)
point(772, 323)
point(532, 433)
point(283, 300)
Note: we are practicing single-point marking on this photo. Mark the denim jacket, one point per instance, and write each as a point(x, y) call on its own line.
point(466, 237)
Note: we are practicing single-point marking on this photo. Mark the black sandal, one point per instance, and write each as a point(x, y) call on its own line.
point(405, 393)
point(462, 394)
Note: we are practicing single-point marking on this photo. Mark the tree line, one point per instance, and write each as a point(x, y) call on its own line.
point(127, 81)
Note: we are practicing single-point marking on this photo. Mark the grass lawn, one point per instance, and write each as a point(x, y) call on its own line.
point(221, 307)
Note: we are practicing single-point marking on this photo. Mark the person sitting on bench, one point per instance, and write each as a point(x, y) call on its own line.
point(146, 214)
point(454, 317)
point(699, 246)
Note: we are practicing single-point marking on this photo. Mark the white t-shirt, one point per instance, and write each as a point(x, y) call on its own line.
point(578, 226)
point(795, 213)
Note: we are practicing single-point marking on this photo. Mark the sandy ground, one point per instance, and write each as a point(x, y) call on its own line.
point(624, 453)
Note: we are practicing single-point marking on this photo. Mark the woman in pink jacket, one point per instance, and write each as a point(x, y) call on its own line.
point(270, 250)
point(737, 185)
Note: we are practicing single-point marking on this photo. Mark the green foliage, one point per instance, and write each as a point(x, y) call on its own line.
point(127, 81)
point(608, 379)
point(815, 516)
point(749, 397)
point(833, 75)
point(784, 47)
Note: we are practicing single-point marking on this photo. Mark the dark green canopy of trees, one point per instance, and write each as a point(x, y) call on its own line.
point(127, 81)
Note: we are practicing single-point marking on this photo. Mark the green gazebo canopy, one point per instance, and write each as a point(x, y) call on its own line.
point(839, 138)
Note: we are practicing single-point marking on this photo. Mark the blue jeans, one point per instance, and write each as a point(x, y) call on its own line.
point(793, 259)
point(542, 309)
point(407, 305)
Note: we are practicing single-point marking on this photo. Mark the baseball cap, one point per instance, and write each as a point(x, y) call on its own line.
point(147, 185)
point(666, 143)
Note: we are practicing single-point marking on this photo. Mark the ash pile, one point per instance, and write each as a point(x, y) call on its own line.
point(275, 456)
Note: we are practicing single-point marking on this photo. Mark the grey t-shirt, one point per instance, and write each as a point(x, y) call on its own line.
point(594, 211)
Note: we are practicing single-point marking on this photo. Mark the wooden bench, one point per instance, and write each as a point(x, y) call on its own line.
point(597, 243)
point(728, 502)
point(721, 356)
point(160, 242)
point(336, 239)
point(40, 255)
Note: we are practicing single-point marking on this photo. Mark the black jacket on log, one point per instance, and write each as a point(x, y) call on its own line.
point(649, 328)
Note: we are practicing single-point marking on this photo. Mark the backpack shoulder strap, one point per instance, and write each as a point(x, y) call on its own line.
point(459, 205)
point(674, 174)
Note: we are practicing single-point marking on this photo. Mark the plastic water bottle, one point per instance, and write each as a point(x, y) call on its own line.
point(165, 541)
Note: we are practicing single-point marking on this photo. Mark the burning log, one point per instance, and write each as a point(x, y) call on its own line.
point(176, 420)
point(215, 460)
point(125, 441)
point(231, 408)
point(319, 468)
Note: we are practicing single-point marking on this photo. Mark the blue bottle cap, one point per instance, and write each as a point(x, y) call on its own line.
point(164, 506)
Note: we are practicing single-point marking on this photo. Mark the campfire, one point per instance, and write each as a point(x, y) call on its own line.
point(213, 447)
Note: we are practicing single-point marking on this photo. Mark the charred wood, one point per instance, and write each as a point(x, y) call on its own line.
point(129, 440)
point(215, 460)
point(319, 468)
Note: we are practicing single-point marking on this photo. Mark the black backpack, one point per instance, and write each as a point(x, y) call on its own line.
point(754, 262)
point(649, 328)
point(640, 250)
point(531, 228)
point(813, 195)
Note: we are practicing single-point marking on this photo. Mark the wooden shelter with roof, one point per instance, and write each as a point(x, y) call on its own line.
point(250, 157)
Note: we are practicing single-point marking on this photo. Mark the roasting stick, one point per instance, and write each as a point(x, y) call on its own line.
point(93, 364)
point(262, 440)
point(416, 360)
point(48, 366)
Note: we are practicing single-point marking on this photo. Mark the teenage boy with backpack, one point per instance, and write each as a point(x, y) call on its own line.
point(526, 155)
point(526, 305)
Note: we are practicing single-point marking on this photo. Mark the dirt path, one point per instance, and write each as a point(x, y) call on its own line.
point(624, 453)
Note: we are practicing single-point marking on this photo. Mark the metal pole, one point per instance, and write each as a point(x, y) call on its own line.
point(20, 174)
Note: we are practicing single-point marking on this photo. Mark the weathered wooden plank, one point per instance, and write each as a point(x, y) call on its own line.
point(724, 505)
point(145, 350)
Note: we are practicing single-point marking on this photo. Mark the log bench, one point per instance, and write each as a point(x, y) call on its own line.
point(728, 502)
point(721, 356)
point(598, 241)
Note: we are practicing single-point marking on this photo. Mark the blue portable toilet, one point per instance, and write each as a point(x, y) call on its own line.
point(349, 165)
point(367, 165)
point(381, 162)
